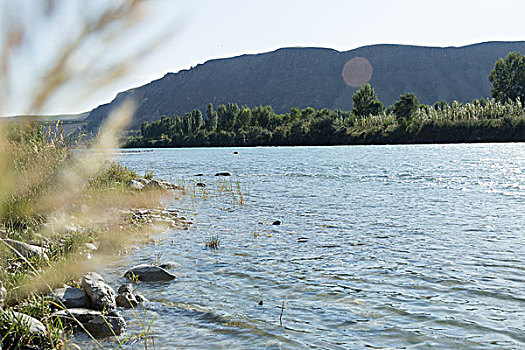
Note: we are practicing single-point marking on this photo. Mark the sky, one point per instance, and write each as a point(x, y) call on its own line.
point(192, 32)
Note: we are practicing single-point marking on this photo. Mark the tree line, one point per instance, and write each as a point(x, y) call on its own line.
point(500, 119)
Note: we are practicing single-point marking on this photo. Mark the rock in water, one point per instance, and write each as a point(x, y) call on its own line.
point(125, 297)
point(277, 222)
point(106, 325)
point(127, 300)
point(26, 250)
point(224, 173)
point(125, 288)
point(141, 298)
point(102, 295)
point(71, 297)
point(149, 273)
point(94, 322)
point(168, 265)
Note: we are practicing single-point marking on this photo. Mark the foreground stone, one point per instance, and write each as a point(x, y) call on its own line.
point(102, 295)
point(26, 250)
point(3, 293)
point(36, 328)
point(158, 185)
point(143, 181)
point(90, 247)
point(149, 273)
point(71, 297)
point(92, 321)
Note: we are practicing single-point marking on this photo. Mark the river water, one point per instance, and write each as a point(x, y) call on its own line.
point(419, 246)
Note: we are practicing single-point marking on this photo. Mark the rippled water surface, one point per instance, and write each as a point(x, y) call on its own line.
point(418, 247)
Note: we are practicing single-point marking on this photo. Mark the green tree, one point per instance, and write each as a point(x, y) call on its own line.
point(508, 78)
point(406, 106)
point(187, 124)
point(211, 118)
point(366, 102)
point(144, 129)
point(221, 117)
point(177, 125)
point(262, 115)
point(244, 118)
point(299, 131)
point(197, 119)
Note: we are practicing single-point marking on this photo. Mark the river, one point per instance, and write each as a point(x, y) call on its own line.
point(410, 246)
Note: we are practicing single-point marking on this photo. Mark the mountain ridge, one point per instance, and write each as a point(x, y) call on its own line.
point(312, 76)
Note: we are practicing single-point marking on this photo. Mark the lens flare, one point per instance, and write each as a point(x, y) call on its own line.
point(357, 71)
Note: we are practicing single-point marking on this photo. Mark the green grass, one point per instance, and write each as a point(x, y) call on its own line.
point(115, 175)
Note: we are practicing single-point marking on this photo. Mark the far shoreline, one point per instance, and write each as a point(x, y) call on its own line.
point(145, 149)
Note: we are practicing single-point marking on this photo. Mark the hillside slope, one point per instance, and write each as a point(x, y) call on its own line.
point(302, 77)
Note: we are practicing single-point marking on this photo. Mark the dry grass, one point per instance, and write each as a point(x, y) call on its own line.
point(49, 194)
point(213, 243)
point(62, 199)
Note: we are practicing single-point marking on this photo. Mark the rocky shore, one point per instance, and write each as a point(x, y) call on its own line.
point(94, 307)
point(89, 303)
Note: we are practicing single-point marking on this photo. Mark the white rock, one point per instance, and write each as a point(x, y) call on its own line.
point(102, 295)
point(35, 326)
point(26, 250)
point(135, 185)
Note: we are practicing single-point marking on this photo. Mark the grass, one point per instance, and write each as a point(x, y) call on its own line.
point(146, 335)
point(220, 188)
point(213, 243)
point(48, 194)
point(15, 332)
point(60, 200)
point(113, 175)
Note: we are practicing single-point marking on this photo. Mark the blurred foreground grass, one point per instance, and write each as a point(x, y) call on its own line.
point(57, 196)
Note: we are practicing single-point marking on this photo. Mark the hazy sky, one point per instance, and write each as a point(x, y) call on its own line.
point(206, 29)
